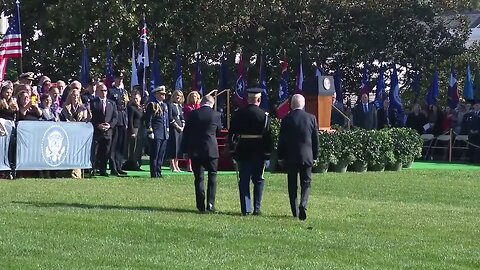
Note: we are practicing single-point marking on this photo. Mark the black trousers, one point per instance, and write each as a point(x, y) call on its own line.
point(100, 152)
point(157, 153)
point(305, 173)
point(119, 147)
point(199, 165)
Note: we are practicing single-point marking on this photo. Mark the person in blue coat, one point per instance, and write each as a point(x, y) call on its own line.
point(298, 151)
point(157, 120)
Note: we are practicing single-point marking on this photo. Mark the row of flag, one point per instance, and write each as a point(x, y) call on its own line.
point(11, 47)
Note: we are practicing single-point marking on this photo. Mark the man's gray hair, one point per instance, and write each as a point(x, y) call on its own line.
point(297, 102)
point(207, 100)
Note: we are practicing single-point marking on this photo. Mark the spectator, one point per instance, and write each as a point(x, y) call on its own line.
point(61, 86)
point(416, 119)
point(48, 112)
point(74, 110)
point(27, 108)
point(135, 119)
point(176, 130)
point(193, 103)
point(8, 105)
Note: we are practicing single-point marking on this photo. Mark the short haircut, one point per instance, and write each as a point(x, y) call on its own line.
point(207, 100)
point(297, 102)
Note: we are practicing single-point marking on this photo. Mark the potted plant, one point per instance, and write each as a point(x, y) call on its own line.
point(343, 145)
point(405, 147)
point(325, 152)
point(415, 150)
point(359, 144)
point(275, 131)
point(379, 150)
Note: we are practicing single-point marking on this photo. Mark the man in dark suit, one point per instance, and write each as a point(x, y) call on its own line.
point(365, 114)
point(157, 120)
point(298, 150)
point(250, 127)
point(104, 119)
point(200, 142)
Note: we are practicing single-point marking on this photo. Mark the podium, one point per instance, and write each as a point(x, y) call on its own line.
point(318, 93)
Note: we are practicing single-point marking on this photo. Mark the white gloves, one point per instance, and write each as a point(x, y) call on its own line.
point(151, 136)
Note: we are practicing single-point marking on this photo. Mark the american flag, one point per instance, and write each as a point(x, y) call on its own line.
point(283, 107)
point(11, 46)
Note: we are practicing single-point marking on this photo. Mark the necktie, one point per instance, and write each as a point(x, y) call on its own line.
point(365, 108)
point(104, 105)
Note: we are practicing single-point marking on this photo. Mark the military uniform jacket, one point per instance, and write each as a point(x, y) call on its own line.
point(471, 123)
point(120, 97)
point(158, 117)
point(250, 127)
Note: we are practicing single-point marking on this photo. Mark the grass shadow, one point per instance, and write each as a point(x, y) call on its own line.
point(134, 208)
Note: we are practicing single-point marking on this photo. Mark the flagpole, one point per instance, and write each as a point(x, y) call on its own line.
point(20, 30)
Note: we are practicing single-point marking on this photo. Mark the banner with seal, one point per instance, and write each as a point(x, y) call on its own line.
point(43, 145)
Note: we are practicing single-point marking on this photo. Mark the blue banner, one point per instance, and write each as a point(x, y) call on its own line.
point(43, 145)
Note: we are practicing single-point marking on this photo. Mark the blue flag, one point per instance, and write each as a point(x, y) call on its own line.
point(134, 72)
point(178, 71)
point(85, 72)
point(263, 84)
point(198, 78)
point(433, 90)
point(394, 94)
point(416, 84)
point(468, 88)
point(143, 61)
point(380, 94)
point(109, 67)
point(222, 81)
point(365, 86)
point(156, 76)
point(337, 81)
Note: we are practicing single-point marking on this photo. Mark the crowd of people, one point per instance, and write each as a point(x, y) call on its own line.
point(119, 118)
point(427, 119)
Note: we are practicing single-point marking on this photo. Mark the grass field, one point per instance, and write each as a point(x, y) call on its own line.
point(414, 219)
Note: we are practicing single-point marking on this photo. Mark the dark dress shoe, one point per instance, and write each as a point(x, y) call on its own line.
point(302, 215)
point(210, 208)
point(122, 172)
point(114, 173)
point(257, 213)
point(103, 174)
point(138, 169)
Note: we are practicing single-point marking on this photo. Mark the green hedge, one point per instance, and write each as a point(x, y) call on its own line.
point(376, 148)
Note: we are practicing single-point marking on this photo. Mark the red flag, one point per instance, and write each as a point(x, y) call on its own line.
point(283, 108)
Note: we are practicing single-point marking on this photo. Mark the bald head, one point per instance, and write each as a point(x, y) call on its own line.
point(207, 101)
point(297, 102)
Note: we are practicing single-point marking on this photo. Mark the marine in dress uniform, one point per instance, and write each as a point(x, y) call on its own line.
point(251, 143)
point(157, 120)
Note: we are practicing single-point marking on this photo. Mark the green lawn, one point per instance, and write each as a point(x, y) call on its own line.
point(414, 219)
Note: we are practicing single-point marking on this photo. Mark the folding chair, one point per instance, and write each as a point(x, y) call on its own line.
point(444, 142)
point(427, 144)
point(460, 147)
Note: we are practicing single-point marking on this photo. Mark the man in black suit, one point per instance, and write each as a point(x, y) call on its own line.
point(200, 142)
point(157, 121)
point(298, 150)
point(365, 114)
point(104, 119)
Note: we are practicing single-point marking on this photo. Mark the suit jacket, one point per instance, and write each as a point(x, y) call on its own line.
point(366, 120)
point(386, 119)
point(298, 139)
point(200, 133)
point(158, 116)
point(98, 117)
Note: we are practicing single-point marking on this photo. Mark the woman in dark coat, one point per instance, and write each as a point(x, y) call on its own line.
point(176, 130)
